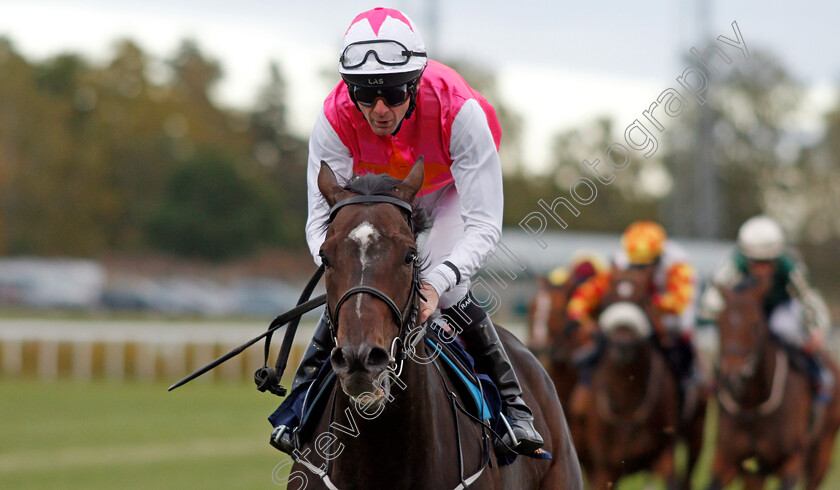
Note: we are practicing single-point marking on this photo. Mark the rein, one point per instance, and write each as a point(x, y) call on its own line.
point(773, 401)
point(277, 323)
point(405, 318)
point(268, 379)
point(777, 390)
point(407, 321)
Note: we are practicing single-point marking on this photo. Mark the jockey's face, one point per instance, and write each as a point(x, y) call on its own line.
point(383, 118)
point(761, 269)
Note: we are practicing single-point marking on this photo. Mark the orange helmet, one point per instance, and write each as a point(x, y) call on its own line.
point(643, 242)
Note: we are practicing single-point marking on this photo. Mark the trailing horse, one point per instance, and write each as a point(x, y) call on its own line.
point(766, 408)
point(393, 420)
point(633, 420)
point(550, 340)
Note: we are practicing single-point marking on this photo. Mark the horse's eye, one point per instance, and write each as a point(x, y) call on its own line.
point(324, 259)
point(410, 257)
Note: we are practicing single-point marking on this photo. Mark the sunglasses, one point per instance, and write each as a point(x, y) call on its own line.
point(760, 262)
point(386, 52)
point(393, 96)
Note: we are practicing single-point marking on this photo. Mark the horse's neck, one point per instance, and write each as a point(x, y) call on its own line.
point(761, 384)
point(401, 432)
point(629, 384)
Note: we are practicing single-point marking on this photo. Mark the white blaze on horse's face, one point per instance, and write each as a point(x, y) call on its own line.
point(625, 289)
point(364, 234)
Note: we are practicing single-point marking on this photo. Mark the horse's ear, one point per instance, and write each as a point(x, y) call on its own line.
point(413, 182)
point(328, 184)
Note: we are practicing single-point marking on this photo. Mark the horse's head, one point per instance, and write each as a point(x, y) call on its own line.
point(371, 274)
point(743, 334)
point(634, 284)
point(547, 320)
point(627, 329)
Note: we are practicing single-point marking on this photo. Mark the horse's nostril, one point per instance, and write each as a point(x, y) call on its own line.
point(339, 361)
point(377, 359)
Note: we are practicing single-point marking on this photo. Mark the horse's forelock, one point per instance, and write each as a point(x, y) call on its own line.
point(385, 185)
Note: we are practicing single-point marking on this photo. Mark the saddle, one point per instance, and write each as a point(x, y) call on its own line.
point(476, 393)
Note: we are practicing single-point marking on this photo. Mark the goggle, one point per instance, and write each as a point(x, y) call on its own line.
point(386, 52)
point(393, 96)
point(760, 262)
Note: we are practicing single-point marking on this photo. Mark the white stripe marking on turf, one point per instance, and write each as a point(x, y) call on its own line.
point(74, 457)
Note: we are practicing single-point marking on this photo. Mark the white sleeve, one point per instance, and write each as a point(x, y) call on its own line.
point(324, 144)
point(478, 179)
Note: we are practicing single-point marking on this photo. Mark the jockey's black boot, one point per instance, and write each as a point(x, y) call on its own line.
point(317, 352)
point(822, 384)
point(483, 342)
point(822, 380)
point(680, 355)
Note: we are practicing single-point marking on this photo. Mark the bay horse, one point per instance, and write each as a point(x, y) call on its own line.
point(391, 421)
point(634, 422)
point(549, 338)
point(765, 407)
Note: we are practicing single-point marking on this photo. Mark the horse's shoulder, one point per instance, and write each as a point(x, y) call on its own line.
point(512, 344)
point(527, 366)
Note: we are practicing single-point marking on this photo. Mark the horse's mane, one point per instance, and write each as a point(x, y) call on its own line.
point(385, 185)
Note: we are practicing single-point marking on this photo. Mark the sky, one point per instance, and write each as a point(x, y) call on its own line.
point(559, 64)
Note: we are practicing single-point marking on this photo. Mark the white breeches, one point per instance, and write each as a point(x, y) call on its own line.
point(682, 323)
point(786, 322)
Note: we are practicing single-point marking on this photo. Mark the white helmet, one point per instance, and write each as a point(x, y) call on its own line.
point(761, 238)
point(381, 48)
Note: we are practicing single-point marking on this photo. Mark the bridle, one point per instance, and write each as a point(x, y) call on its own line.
point(749, 370)
point(405, 318)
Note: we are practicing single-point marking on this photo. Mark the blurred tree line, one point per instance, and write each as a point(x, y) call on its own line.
point(764, 162)
point(134, 156)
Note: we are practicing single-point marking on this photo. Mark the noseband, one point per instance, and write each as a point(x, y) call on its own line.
point(405, 318)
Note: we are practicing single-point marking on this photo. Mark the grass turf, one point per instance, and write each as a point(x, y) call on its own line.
point(134, 435)
point(68, 435)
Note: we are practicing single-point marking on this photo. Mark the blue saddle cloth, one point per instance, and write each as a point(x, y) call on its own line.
point(303, 406)
point(485, 401)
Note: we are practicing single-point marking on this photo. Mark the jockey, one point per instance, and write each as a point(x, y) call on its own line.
point(392, 106)
point(646, 245)
point(583, 265)
point(796, 314)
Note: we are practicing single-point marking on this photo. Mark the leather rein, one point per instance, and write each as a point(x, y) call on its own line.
point(407, 321)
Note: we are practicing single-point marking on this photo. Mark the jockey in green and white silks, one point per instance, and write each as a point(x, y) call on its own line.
point(796, 313)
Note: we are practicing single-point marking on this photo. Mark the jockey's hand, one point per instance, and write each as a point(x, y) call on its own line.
point(430, 305)
point(815, 341)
